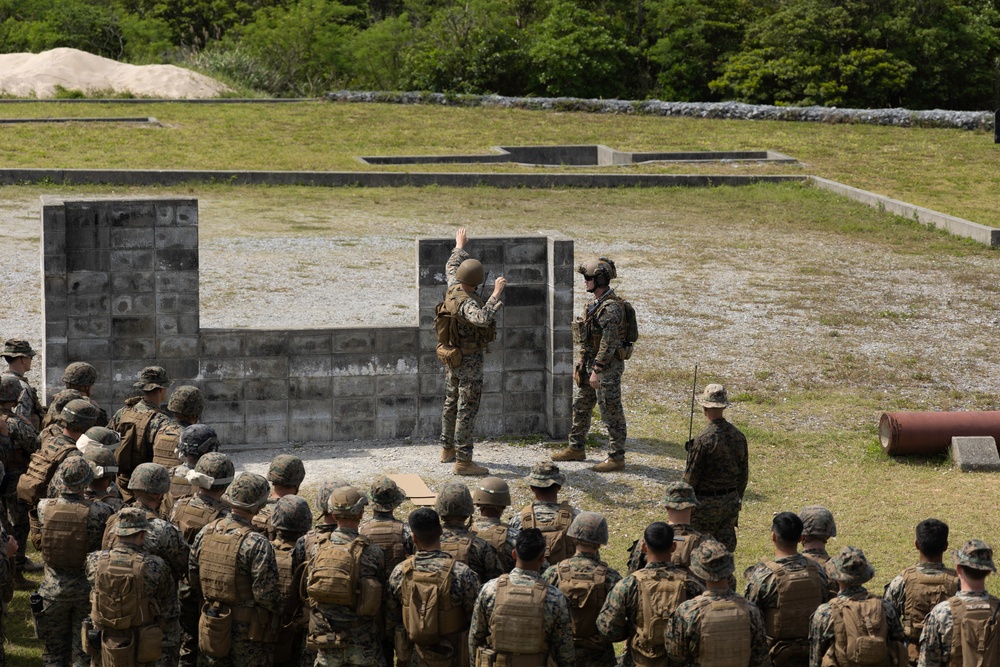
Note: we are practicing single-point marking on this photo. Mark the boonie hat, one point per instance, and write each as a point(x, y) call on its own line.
point(152, 377)
point(545, 474)
point(976, 555)
point(714, 396)
point(17, 347)
point(131, 520)
point(850, 566)
point(679, 496)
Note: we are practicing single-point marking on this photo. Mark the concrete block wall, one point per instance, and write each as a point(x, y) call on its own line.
point(121, 292)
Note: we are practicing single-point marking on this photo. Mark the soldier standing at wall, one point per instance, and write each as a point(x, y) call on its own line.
point(233, 568)
point(291, 519)
point(547, 514)
point(454, 506)
point(79, 377)
point(194, 442)
point(586, 580)
point(425, 631)
point(492, 496)
point(285, 474)
point(19, 441)
point(718, 627)
point(18, 354)
point(140, 422)
point(129, 588)
point(520, 618)
point(600, 335)
point(679, 499)
point(474, 329)
point(718, 469)
point(185, 407)
point(68, 528)
point(345, 584)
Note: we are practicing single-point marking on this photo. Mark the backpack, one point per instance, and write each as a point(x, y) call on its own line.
point(725, 634)
point(661, 591)
point(924, 590)
point(119, 602)
point(450, 346)
point(334, 572)
point(33, 485)
point(585, 592)
point(629, 325)
point(558, 545)
point(974, 641)
point(860, 633)
point(429, 614)
point(132, 429)
point(64, 535)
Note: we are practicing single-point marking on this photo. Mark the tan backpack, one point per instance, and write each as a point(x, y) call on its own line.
point(389, 536)
point(661, 591)
point(135, 447)
point(64, 535)
point(860, 635)
point(33, 485)
point(974, 641)
point(586, 592)
point(558, 545)
point(924, 590)
point(333, 577)
point(429, 614)
point(517, 625)
point(725, 634)
point(119, 602)
point(800, 592)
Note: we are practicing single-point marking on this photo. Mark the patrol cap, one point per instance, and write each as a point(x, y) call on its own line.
point(471, 272)
point(712, 561)
point(454, 499)
point(286, 470)
point(103, 462)
point(131, 520)
point(326, 487)
point(76, 474)
point(589, 527)
point(545, 474)
point(850, 566)
point(152, 378)
point(491, 491)
point(213, 470)
point(149, 477)
point(346, 501)
point(292, 513)
point(17, 347)
point(679, 496)
point(79, 414)
point(248, 491)
point(196, 440)
point(187, 400)
point(80, 373)
point(385, 494)
point(108, 438)
point(975, 555)
point(10, 389)
point(817, 521)
point(714, 396)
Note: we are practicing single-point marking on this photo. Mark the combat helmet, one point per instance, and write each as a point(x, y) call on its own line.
point(79, 374)
point(454, 500)
point(102, 460)
point(346, 502)
point(108, 438)
point(197, 440)
point(326, 487)
point(286, 470)
point(213, 471)
point(385, 494)
point(491, 491)
point(590, 527)
point(471, 272)
point(76, 474)
point(79, 414)
point(817, 522)
point(291, 513)
point(10, 389)
point(149, 477)
point(249, 491)
point(602, 269)
point(187, 400)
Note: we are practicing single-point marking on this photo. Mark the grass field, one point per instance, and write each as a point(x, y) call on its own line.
point(817, 313)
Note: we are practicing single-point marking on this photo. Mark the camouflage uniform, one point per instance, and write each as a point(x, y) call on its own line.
point(66, 591)
point(463, 591)
point(291, 519)
point(157, 424)
point(558, 624)
point(895, 594)
point(683, 641)
point(286, 470)
point(193, 442)
point(717, 468)
point(464, 385)
point(589, 655)
point(852, 569)
point(28, 406)
point(6, 592)
point(17, 446)
point(505, 550)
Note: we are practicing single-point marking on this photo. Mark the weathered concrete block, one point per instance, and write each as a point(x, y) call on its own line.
point(266, 344)
point(390, 429)
point(431, 384)
point(126, 371)
point(57, 354)
point(525, 338)
point(266, 411)
point(221, 344)
point(428, 427)
point(171, 325)
point(493, 381)
point(132, 305)
point(524, 423)
point(127, 327)
point(177, 281)
point(310, 410)
point(89, 327)
point(89, 349)
point(526, 402)
point(87, 238)
point(394, 407)
point(353, 340)
point(132, 282)
point(175, 259)
point(310, 431)
point(516, 382)
point(186, 214)
point(533, 251)
point(363, 385)
point(267, 367)
point(54, 264)
point(221, 390)
point(223, 412)
point(400, 385)
point(310, 388)
point(88, 260)
point(176, 237)
point(88, 282)
point(525, 316)
point(133, 348)
point(222, 369)
point(126, 238)
point(142, 214)
point(354, 429)
point(131, 260)
point(266, 432)
point(230, 434)
point(308, 343)
point(971, 453)
point(180, 303)
point(517, 360)
point(263, 389)
point(309, 365)
point(353, 408)
point(87, 305)
point(526, 275)
point(395, 339)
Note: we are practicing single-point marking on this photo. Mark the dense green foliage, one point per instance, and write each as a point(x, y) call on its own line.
point(861, 53)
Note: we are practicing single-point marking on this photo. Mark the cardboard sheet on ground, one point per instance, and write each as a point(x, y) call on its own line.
point(415, 489)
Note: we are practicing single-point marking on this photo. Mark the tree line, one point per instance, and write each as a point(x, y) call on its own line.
point(918, 54)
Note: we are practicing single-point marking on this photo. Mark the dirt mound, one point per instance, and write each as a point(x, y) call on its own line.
point(38, 74)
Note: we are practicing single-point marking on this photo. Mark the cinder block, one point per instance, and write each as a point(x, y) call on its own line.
point(131, 238)
point(491, 404)
point(559, 428)
point(354, 429)
point(560, 385)
point(262, 389)
point(186, 214)
point(177, 347)
point(525, 316)
point(87, 238)
point(132, 305)
point(560, 253)
point(428, 363)
point(352, 364)
point(309, 366)
point(54, 330)
point(516, 382)
point(230, 435)
point(126, 372)
point(166, 214)
point(310, 343)
point(363, 385)
point(353, 408)
point(391, 408)
point(353, 340)
point(87, 260)
point(431, 275)
point(266, 432)
point(401, 385)
point(142, 214)
point(177, 281)
point(222, 369)
point(175, 259)
point(132, 282)
point(310, 411)
point(527, 402)
point(975, 453)
point(266, 344)
point(131, 260)
point(516, 360)
point(180, 303)
point(89, 327)
point(391, 429)
point(310, 388)
point(221, 390)
point(88, 349)
point(182, 368)
point(266, 411)
point(493, 382)
point(117, 213)
point(491, 252)
point(428, 297)
point(526, 275)
point(125, 327)
point(88, 305)
point(267, 367)
point(310, 431)
point(54, 241)
point(427, 339)
point(56, 354)
point(561, 340)
point(524, 424)
point(176, 238)
point(396, 339)
point(516, 296)
point(87, 282)
point(525, 338)
point(133, 348)
point(431, 384)
point(493, 360)
point(221, 344)
point(169, 325)
point(54, 264)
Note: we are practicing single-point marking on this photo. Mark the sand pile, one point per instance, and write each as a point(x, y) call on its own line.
point(38, 74)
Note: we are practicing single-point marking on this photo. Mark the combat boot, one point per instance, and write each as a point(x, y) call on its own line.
point(609, 465)
point(447, 454)
point(22, 583)
point(471, 469)
point(569, 454)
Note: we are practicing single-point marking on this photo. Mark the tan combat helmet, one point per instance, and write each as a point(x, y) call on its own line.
point(492, 492)
point(471, 272)
point(602, 269)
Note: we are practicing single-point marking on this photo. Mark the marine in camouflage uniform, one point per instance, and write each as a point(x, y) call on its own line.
point(454, 506)
point(462, 590)
point(255, 561)
point(545, 482)
point(557, 625)
point(464, 384)
point(492, 496)
point(341, 636)
point(157, 586)
point(717, 468)
point(290, 520)
point(18, 354)
point(184, 407)
point(818, 527)
point(712, 563)
point(589, 532)
point(938, 636)
point(285, 474)
point(18, 441)
point(851, 570)
point(148, 483)
point(105, 467)
point(79, 378)
point(193, 443)
point(599, 334)
point(65, 590)
point(679, 499)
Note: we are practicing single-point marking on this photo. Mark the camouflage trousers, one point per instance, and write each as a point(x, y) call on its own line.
point(190, 612)
point(59, 631)
point(463, 391)
point(245, 653)
point(15, 520)
point(171, 644)
point(718, 516)
point(608, 398)
point(358, 647)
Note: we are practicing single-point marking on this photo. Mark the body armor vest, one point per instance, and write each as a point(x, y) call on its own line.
point(389, 536)
point(64, 535)
point(974, 640)
point(661, 591)
point(924, 589)
point(586, 592)
point(558, 545)
point(217, 564)
point(725, 634)
point(469, 337)
point(517, 625)
point(457, 547)
point(190, 519)
point(800, 592)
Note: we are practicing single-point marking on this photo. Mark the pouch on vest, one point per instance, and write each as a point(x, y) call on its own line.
point(449, 356)
point(725, 635)
point(88, 635)
point(439, 655)
point(586, 593)
point(64, 535)
point(974, 638)
point(165, 446)
point(132, 429)
point(118, 600)
point(334, 573)
point(118, 651)
point(263, 626)
point(33, 485)
point(402, 645)
point(660, 593)
point(864, 633)
point(215, 630)
point(445, 326)
point(150, 644)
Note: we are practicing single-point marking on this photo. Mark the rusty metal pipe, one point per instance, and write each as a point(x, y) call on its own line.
point(928, 433)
